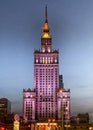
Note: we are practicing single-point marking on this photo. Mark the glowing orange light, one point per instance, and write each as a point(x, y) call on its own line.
point(46, 62)
point(46, 26)
point(49, 120)
point(53, 120)
point(60, 91)
point(2, 128)
point(46, 35)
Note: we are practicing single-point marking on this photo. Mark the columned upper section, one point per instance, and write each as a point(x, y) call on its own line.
point(46, 37)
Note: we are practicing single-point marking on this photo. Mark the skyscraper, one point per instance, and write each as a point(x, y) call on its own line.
point(49, 99)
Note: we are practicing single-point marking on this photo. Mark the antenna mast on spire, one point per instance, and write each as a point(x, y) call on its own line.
point(46, 18)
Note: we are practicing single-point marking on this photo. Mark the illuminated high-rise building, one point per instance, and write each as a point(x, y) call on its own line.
point(48, 99)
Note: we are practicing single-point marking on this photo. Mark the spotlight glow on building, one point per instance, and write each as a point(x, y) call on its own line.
point(48, 98)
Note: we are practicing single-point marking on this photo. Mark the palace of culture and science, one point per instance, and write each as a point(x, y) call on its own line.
point(48, 99)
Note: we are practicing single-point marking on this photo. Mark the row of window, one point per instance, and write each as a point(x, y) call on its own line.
point(46, 60)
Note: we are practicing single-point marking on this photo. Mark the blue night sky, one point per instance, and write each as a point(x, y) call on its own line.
point(71, 24)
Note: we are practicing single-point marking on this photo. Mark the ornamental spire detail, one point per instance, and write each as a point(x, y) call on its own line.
point(46, 30)
point(46, 18)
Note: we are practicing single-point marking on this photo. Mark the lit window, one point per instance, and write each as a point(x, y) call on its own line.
point(36, 60)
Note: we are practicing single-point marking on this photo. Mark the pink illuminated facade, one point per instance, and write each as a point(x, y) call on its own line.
point(49, 98)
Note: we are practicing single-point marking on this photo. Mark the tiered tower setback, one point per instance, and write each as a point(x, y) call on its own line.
point(49, 97)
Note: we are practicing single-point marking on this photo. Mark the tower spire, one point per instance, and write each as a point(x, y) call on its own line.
point(46, 39)
point(46, 18)
point(46, 30)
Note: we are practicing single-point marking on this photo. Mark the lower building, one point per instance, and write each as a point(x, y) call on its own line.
point(81, 118)
point(5, 106)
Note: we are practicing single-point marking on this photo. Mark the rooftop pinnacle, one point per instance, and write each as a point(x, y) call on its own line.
point(46, 30)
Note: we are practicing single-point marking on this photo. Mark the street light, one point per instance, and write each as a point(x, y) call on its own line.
point(67, 126)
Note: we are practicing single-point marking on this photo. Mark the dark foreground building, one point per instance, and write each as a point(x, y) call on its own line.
point(5, 108)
